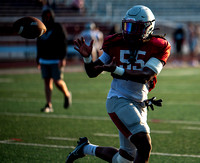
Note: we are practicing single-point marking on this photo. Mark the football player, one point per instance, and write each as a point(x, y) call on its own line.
point(134, 57)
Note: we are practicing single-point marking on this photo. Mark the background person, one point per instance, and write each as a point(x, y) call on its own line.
point(51, 52)
point(99, 41)
point(89, 33)
point(193, 38)
point(179, 38)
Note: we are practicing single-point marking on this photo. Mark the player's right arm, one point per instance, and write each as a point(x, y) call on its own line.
point(85, 51)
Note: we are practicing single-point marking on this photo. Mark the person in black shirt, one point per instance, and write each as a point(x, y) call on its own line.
point(51, 52)
point(179, 38)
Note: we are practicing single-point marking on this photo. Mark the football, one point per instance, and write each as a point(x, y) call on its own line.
point(29, 27)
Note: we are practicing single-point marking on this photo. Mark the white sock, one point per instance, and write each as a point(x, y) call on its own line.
point(89, 149)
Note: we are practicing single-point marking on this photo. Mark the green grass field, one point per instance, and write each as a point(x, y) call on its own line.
point(27, 135)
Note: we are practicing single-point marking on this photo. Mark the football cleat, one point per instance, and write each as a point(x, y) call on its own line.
point(78, 151)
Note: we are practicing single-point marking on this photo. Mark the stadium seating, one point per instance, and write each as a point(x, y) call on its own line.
point(104, 13)
point(168, 9)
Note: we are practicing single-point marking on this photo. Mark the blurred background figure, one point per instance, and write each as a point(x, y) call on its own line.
point(98, 41)
point(51, 52)
point(78, 5)
point(46, 4)
point(179, 38)
point(193, 43)
point(91, 32)
point(116, 28)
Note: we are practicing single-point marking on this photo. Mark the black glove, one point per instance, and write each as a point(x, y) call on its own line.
point(152, 101)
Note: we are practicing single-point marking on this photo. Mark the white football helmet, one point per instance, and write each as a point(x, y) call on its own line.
point(139, 22)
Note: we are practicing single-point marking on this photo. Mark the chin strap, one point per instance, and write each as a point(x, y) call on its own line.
point(152, 101)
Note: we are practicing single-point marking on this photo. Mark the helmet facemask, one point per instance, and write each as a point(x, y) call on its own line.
point(138, 30)
point(138, 23)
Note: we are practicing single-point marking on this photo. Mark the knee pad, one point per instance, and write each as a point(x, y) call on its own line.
point(117, 158)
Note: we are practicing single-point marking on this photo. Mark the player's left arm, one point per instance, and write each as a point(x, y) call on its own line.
point(150, 70)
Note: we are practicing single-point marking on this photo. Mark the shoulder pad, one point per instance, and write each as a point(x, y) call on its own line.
point(111, 40)
point(160, 42)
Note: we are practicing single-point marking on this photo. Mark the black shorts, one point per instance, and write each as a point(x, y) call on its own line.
point(51, 71)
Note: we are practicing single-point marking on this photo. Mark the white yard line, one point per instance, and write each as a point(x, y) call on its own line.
point(36, 145)
point(116, 135)
point(181, 122)
point(106, 135)
point(72, 147)
point(61, 138)
point(175, 155)
point(161, 132)
point(43, 115)
point(191, 128)
point(91, 118)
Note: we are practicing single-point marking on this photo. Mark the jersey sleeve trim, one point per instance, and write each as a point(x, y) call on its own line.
point(105, 58)
point(155, 65)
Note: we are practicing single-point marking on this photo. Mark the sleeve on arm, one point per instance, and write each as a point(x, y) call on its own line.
point(155, 65)
point(105, 58)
